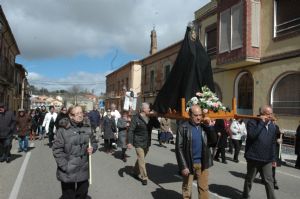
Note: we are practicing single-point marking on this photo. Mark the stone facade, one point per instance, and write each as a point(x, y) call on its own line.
point(13, 81)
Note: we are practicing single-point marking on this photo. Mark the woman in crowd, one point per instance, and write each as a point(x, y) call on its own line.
point(109, 129)
point(123, 124)
point(239, 132)
point(62, 114)
point(71, 151)
point(23, 124)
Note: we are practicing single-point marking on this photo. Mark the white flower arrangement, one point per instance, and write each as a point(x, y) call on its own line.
point(207, 100)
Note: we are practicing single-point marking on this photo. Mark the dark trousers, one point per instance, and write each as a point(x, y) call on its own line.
point(5, 146)
point(298, 161)
point(221, 150)
point(50, 137)
point(124, 152)
point(237, 147)
point(265, 170)
point(230, 145)
point(108, 144)
point(75, 190)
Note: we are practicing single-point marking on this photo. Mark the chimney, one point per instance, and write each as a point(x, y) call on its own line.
point(153, 47)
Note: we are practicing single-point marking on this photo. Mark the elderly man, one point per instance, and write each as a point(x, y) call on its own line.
point(260, 151)
point(7, 129)
point(139, 135)
point(193, 155)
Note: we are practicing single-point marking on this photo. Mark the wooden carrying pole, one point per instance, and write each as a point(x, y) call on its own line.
point(183, 114)
point(90, 163)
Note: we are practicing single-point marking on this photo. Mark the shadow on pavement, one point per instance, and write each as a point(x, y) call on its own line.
point(225, 191)
point(15, 156)
point(163, 145)
point(127, 170)
point(243, 175)
point(161, 193)
point(165, 174)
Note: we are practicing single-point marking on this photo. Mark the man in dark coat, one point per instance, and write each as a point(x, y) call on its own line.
point(260, 151)
point(7, 129)
point(191, 70)
point(193, 153)
point(139, 135)
point(94, 117)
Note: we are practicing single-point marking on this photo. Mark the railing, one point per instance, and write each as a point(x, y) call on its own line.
point(288, 26)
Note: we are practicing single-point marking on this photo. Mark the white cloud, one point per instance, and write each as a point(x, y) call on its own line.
point(62, 28)
point(89, 81)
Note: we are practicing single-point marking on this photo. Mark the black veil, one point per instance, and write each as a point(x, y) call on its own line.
point(191, 70)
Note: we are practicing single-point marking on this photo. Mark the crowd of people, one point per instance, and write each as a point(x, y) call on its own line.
point(74, 135)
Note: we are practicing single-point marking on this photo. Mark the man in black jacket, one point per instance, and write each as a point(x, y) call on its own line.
point(192, 151)
point(260, 151)
point(7, 129)
point(139, 135)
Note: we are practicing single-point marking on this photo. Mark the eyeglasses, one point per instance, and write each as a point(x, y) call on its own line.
point(77, 114)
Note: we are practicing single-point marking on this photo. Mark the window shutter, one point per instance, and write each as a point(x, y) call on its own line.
point(255, 23)
point(237, 26)
point(224, 37)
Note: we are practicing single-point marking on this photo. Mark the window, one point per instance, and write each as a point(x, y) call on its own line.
point(286, 17)
point(244, 93)
point(167, 71)
point(231, 24)
point(211, 42)
point(218, 91)
point(152, 81)
point(285, 98)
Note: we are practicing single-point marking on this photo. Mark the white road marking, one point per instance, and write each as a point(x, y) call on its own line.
point(16, 188)
point(214, 194)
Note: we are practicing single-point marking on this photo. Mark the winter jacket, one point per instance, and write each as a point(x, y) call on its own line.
point(122, 135)
point(109, 127)
point(261, 142)
point(183, 146)
point(47, 120)
point(70, 151)
point(220, 127)
point(139, 133)
point(23, 125)
point(7, 124)
point(238, 130)
point(94, 117)
point(165, 125)
point(41, 116)
point(58, 118)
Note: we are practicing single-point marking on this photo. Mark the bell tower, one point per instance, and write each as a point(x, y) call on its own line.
point(153, 47)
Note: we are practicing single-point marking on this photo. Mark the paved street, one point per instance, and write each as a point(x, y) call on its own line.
point(32, 176)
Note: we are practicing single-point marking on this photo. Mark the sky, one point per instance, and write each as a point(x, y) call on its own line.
point(78, 42)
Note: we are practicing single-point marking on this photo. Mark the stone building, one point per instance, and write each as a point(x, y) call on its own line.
point(118, 82)
point(13, 82)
